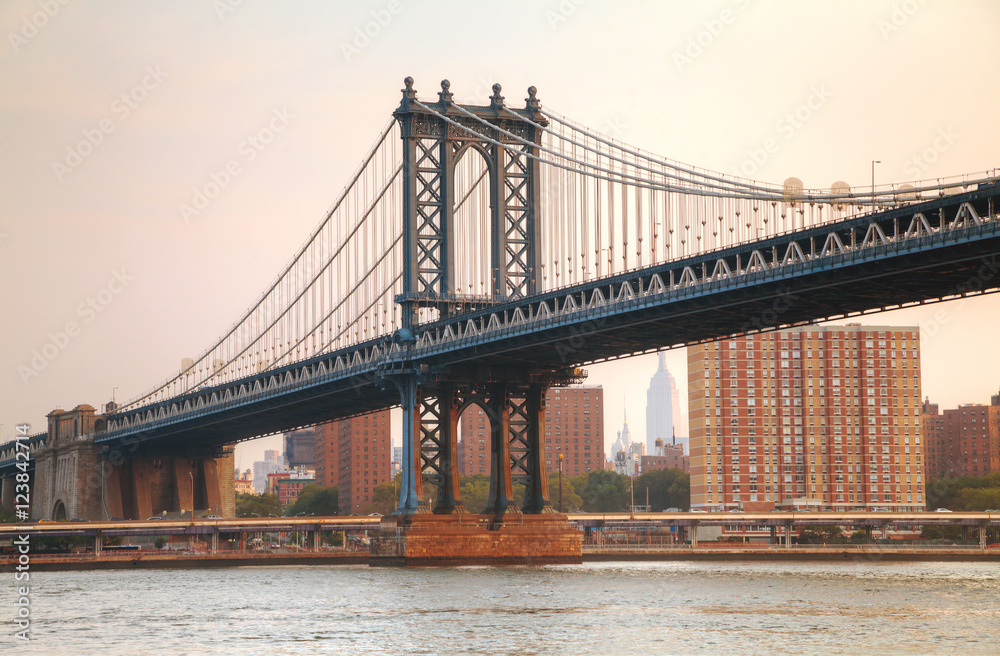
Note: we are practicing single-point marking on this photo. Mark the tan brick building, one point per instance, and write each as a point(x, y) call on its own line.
point(825, 416)
point(665, 456)
point(327, 463)
point(574, 426)
point(963, 441)
point(364, 449)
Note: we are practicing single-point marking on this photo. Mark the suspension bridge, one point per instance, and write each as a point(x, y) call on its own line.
point(480, 254)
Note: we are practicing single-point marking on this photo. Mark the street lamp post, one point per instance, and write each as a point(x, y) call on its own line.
point(874, 162)
point(560, 483)
point(631, 489)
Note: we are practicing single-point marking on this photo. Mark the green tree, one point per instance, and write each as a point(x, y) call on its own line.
point(668, 488)
point(932, 532)
point(602, 491)
point(315, 500)
point(820, 535)
point(964, 492)
point(160, 541)
point(257, 504)
point(475, 492)
point(385, 500)
point(572, 502)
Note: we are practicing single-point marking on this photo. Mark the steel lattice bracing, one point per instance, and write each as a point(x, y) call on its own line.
point(435, 140)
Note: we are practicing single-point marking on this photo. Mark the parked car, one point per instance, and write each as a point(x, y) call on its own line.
point(942, 510)
point(209, 517)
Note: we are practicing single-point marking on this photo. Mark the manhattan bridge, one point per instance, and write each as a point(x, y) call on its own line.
point(481, 254)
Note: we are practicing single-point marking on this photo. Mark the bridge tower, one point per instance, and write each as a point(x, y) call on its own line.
point(436, 136)
point(435, 139)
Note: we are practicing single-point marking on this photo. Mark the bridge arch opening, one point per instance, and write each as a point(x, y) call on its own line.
point(59, 511)
point(473, 213)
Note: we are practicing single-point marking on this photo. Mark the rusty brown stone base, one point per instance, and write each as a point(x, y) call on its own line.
point(467, 539)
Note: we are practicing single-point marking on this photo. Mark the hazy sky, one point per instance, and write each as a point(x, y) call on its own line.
point(113, 115)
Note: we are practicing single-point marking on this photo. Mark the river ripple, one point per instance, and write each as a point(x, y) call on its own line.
point(596, 608)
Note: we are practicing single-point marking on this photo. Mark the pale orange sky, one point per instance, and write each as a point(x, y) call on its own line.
point(706, 83)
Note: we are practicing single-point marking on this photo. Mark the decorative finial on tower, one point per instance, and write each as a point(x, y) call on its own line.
point(531, 102)
point(409, 95)
point(496, 100)
point(445, 96)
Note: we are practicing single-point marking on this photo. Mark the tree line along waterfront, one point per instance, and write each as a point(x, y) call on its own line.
point(598, 491)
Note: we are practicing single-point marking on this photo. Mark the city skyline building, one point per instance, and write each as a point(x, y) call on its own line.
point(962, 441)
point(574, 427)
point(664, 418)
point(273, 462)
point(816, 416)
point(665, 456)
point(325, 454)
point(622, 443)
point(300, 448)
point(288, 485)
point(364, 448)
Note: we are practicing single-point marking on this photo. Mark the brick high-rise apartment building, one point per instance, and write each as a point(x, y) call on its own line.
point(364, 449)
point(574, 426)
point(327, 462)
point(823, 416)
point(962, 441)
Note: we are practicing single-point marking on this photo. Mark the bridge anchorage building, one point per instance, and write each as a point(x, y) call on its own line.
point(75, 477)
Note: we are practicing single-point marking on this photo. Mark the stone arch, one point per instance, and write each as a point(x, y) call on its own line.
point(59, 511)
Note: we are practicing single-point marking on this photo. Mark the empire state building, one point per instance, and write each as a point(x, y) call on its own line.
point(663, 410)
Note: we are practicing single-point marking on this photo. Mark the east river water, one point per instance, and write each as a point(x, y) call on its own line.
point(599, 608)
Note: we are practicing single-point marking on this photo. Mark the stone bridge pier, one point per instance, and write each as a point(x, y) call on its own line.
point(76, 478)
point(7, 493)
